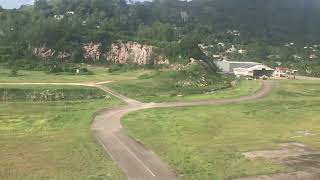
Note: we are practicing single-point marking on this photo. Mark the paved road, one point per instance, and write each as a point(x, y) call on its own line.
point(137, 162)
point(307, 78)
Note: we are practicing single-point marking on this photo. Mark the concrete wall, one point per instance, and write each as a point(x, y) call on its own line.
point(224, 66)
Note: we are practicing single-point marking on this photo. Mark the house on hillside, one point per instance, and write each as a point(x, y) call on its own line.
point(313, 56)
point(231, 50)
point(242, 51)
point(70, 13)
point(221, 44)
point(58, 17)
point(216, 56)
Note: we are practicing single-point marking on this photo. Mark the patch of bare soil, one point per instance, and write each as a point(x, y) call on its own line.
point(298, 156)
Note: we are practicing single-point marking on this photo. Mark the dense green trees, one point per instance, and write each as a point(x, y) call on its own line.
point(176, 27)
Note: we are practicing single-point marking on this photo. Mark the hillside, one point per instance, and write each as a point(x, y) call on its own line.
point(274, 32)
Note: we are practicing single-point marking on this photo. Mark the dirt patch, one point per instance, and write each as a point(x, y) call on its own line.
point(298, 156)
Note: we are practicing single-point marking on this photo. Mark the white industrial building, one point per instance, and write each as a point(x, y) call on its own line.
point(228, 66)
point(252, 69)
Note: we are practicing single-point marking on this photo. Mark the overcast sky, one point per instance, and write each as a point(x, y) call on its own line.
point(10, 4)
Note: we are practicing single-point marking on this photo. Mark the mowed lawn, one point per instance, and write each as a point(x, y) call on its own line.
point(99, 74)
point(163, 89)
point(205, 143)
point(50, 138)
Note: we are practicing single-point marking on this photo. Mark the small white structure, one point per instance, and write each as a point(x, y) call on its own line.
point(254, 71)
point(313, 56)
point(70, 13)
point(234, 32)
point(58, 17)
point(242, 51)
point(231, 50)
point(221, 44)
point(216, 55)
point(296, 57)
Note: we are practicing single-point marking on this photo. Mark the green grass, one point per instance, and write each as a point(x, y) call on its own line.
point(100, 74)
point(206, 142)
point(243, 88)
point(52, 140)
point(164, 88)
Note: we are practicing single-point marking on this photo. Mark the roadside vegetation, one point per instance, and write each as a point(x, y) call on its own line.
point(192, 83)
point(96, 74)
point(42, 139)
point(206, 142)
point(50, 93)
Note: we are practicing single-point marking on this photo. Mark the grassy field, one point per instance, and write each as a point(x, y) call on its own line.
point(99, 74)
point(163, 88)
point(52, 139)
point(206, 142)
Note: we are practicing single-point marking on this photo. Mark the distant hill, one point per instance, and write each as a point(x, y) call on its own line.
point(262, 27)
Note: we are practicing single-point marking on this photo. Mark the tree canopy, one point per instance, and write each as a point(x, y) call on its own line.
point(64, 25)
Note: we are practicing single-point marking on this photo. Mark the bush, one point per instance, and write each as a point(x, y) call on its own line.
point(149, 75)
point(114, 68)
point(50, 94)
point(125, 67)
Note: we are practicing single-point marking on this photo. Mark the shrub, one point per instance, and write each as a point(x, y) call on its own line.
point(50, 94)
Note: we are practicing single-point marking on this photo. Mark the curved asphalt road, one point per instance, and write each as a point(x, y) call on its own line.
point(137, 162)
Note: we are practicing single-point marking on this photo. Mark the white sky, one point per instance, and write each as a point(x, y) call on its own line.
point(9, 4)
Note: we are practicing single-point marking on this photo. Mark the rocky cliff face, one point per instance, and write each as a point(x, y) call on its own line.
point(120, 53)
point(132, 52)
point(92, 51)
point(47, 53)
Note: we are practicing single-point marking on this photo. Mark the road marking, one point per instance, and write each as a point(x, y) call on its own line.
point(132, 153)
point(109, 152)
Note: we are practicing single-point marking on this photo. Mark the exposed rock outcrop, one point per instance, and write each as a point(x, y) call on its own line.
point(44, 52)
point(120, 53)
point(136, 53)
point(92, 51)
point(47, 53)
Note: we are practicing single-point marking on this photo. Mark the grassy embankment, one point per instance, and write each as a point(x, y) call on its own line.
point(98, 74)
point(44, 133)
point(206, 142)
point(169, 86)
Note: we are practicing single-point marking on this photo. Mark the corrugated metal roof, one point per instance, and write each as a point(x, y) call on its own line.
point(256, 67)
